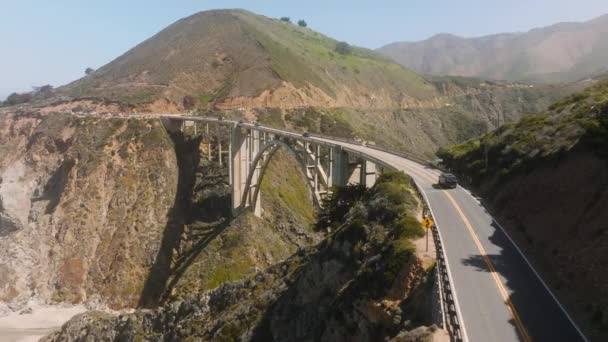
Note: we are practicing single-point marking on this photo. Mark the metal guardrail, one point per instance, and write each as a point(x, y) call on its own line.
point(450, 314)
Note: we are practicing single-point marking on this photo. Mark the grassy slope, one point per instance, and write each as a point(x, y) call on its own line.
point(229, 53)
point(301, 55)
point(579, 118)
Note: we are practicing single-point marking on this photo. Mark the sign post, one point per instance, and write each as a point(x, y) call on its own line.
point(427, 222)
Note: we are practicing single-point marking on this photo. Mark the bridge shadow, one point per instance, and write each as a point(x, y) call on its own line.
point(539, 314)
point(200, 212)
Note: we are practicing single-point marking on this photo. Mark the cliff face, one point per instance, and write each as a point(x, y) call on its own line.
point(84, 203)
point(118, 212)
point(361, 283)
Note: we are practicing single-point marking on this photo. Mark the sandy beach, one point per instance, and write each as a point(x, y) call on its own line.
point(29, 327)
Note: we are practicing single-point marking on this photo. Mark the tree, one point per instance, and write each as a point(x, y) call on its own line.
point(15, 99)
point(89, 71)
point(286, 19)
point(343, 48)
point(302, 23)
point(45, 91)
point(188, 102)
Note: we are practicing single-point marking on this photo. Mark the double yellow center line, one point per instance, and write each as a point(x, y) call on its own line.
point(523, 332)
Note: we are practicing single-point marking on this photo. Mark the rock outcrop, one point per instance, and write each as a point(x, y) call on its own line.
point(361, 283)
point(117, 212)
point(84, 202)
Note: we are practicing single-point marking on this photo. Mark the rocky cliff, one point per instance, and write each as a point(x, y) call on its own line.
point(84, 203)
point(114, 211)
point(361, 283)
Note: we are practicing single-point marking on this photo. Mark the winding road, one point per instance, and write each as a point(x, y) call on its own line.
point(499, 295)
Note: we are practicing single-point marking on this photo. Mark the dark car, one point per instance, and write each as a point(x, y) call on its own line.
point(220, 118)
point(448, 180)
point(306, 135)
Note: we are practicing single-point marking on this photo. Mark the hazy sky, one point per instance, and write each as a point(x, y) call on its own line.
point(52, 42)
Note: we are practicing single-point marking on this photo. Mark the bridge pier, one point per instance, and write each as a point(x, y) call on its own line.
point(340, 165)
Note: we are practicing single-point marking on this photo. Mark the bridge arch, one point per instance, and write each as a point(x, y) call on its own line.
point(258, 168)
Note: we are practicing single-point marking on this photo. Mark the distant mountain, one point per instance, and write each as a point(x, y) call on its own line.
point(563, 52)
point(234, 58)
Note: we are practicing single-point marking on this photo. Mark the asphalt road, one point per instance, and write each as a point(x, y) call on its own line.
point(499, 295)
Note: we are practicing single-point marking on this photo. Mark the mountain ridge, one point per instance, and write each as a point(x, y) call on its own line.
point(562, 52)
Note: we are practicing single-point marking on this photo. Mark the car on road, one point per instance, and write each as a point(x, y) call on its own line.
point(447, 180)
point(257, 124)
point(306, 135)
point(220, 118)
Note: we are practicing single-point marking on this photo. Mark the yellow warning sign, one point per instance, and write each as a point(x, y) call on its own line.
point(427, 222)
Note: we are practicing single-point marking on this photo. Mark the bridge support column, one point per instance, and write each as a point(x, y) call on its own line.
point(339, 168)
point(239, 169)
point(254, 150)
point(367, 173)
point(244, 147)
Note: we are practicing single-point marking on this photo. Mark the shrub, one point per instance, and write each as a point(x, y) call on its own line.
point(337, 205)
point(45, 91)
point(188, 102)
point(286, 19)
point(343, 48)
point(302, 23)
point(408, 227)
point(15, 99)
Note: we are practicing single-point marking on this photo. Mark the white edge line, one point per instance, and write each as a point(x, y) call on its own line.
point(531, 267)
point(447, 265)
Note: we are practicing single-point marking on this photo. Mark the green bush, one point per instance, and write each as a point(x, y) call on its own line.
point(337, 205)
point(408, 227)
point(343, 48)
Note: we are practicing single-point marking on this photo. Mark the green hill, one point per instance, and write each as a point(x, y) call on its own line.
point(222, 54)
point(577, 122)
